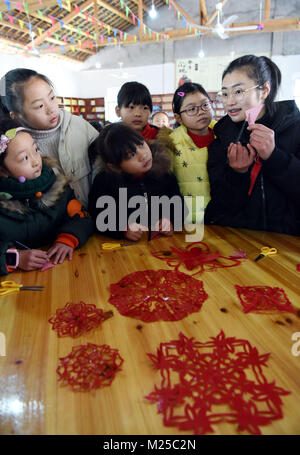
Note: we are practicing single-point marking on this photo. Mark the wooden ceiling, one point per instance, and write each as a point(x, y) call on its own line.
point(77, 29)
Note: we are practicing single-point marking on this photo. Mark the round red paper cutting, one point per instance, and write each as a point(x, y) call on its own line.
point(74, 319)
point(89, 366)
point(153, 295)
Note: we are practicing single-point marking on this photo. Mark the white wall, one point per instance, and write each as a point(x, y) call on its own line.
point(60, 73)
point(158, 78)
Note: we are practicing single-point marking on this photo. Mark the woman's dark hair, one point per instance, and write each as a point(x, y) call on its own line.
point(184, 90)
point(259, 70)
point(12, 89)
point(135, 93)
point(116, 142)
point(6, 123)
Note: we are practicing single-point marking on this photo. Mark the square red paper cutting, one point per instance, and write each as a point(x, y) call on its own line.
point(263, 299)
point(220, 380)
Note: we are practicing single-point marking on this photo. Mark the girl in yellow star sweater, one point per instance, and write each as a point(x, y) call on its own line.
point(188, 144)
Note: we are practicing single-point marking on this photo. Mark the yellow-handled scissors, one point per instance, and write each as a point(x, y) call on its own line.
point(114, 246)
point(265, 251)
point(9, 287)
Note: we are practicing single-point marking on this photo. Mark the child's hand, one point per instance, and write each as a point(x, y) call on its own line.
point(164, 226)
point(61, 251)
point(135, 231)
point(262, 139)
point(32, 259)
point(240, 158)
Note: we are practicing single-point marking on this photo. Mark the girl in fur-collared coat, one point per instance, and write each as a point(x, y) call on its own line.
point(37, 206)
point(131, 173)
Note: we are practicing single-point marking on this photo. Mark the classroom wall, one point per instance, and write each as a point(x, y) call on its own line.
point(62, 74)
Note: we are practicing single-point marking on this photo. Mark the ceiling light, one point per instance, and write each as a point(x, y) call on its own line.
point(201, 53)
point(153, 12)
point(98, 65)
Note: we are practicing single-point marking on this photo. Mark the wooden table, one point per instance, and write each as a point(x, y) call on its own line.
point(31, 400)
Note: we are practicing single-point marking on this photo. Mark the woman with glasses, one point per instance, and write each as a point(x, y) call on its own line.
point(188, 143)
point(254, 169)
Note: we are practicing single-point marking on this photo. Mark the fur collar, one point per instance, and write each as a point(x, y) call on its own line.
point(48, 198)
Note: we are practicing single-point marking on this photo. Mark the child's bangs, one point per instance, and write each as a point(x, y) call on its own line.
point(129, 145)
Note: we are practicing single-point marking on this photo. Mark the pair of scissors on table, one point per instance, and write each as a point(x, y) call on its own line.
point(9, 287)
point(265, 251)
point(114, 246)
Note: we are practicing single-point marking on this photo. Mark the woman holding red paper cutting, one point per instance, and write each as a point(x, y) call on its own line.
point(254, 168)
point(37, 206)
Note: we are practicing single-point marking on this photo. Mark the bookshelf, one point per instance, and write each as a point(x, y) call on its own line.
point(88, 108)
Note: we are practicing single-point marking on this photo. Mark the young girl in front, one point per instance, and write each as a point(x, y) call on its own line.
point(254, 166)
point(37, 206)
point(134, 108)
point(129, 168)
point(189, 142)
point(29, 97)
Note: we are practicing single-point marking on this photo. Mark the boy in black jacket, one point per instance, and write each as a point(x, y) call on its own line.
point(125, 198)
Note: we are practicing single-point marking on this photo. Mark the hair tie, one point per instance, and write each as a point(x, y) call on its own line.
point(180, 93)
point(7, 137)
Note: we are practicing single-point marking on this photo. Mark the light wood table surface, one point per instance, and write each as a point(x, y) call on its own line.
point(32, 401)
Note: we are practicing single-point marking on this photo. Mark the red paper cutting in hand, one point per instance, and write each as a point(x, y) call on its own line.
point(263, 299)
point(152, 295)
point(199, 257)
point(89, 366)
point(222, 380)
point(77, 318)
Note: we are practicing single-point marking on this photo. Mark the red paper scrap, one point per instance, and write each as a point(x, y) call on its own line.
point(89, 366)
point(263, 299)
point(152, 295)
point(222, 380)
point(298, 267)
point(77, 318)
point(197, 257)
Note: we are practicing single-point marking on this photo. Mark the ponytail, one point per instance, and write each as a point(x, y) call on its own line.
point(260, 70)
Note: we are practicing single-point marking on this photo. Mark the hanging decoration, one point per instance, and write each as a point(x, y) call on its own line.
point(221, 380)
point(119, 36)
point(77, 318)
point(89, 366)
point(197, 255)
point(154, 295)
point(263, 299)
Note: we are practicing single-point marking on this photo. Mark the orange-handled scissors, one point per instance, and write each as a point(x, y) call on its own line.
point(9, 287)
point(114, 246)
point(265, 251)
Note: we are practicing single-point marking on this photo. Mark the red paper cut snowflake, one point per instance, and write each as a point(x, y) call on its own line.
point(263, 299)
point(89, 366)
point(222, 380)
point(152, 295)
point(197, 257)
point(77, 318)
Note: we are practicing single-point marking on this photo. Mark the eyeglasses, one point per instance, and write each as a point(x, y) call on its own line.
point(194, 110)
point(237, 94)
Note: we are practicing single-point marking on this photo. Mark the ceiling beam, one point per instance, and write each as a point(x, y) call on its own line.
point(115, 11)
point(145, 8)
point(37, 41)
point(184, 13)
point(140, 16)
point(203, 13)
point(214, 14)
point(267, 9)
